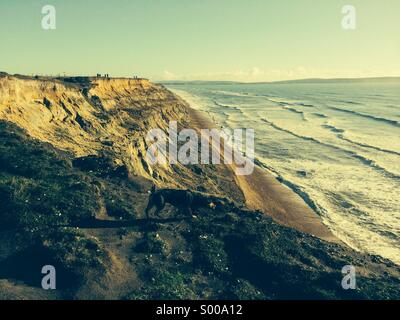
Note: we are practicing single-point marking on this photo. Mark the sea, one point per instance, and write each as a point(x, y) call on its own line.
point(335, 143)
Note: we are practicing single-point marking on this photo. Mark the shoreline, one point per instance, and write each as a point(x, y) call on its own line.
point(263, 192)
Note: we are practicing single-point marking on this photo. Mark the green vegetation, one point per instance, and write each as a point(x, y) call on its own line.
point(210, 254)
point(152, 243)
point(69, 251)
point(38, 185)
point(41, 198)
point(164, 285)
point(240, 254)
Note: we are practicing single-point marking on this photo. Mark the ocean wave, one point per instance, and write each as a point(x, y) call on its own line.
point(230, 93)
point(320, 115)
point(333, 128)
point(357, 143)
point(280, 102)
point(195, 101)
point(270, 98)
point(290, 103)
point(263, 165)
point(291, 109)
point(368, 116)
point(308, 105)
point(349, 102)
point(295, 187)
point(227, 106)
point(368, 162)
point(360, 144)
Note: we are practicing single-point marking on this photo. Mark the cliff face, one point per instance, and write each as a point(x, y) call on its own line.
point(98, 116)
point(90, 117)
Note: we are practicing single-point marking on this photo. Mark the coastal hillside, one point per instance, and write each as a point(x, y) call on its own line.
point(74, 186)
point(100, 116)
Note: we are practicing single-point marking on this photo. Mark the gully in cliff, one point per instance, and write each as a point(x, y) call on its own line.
point(183, 147)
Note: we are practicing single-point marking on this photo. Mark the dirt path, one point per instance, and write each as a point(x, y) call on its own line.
point(120, 278)
point(265, 193)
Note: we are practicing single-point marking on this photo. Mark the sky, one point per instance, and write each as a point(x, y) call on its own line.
point(239, 40)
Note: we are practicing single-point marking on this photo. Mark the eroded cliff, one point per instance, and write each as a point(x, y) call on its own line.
point(103, 117)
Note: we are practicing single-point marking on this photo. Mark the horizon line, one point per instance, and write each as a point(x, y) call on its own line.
point(288, 80)
point(65, 75)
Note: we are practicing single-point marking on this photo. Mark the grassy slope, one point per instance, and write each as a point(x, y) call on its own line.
point(224, 252)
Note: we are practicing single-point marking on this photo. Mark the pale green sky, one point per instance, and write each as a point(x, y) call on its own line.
point(245, 40)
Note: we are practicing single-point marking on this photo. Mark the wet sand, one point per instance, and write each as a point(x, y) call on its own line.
point(265, 193)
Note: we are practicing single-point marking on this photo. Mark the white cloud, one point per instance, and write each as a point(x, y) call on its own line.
point(167, 75)
point(257, 74)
